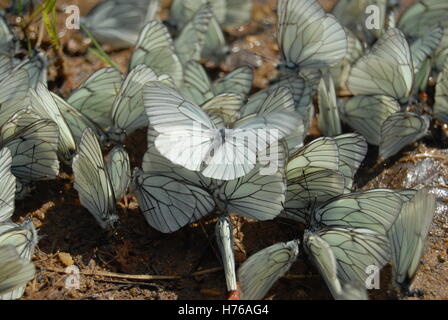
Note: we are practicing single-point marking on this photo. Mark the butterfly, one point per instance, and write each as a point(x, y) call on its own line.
point(440, 109)
point(188, 137)
point(8, 183)
point(23, 238)
point(328, 120)
point(14, 271)
point(100, 184)
point(118, 22)
point(408, 235)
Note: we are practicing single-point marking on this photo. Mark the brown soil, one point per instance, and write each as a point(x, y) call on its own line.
point(70, 234)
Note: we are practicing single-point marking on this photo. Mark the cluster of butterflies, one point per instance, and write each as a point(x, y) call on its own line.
point(198, 161)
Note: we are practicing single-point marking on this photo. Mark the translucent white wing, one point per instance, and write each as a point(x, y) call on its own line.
point(312, 187)
point(185, 130)
point(441, 97)
point(190, 42)
point(226, 106)
point(307, 36)
point(45, 106)
point(118, 22)
point(408, 236)
point(239, 81)
point(76, 121)
point(224, 238)
point(24, 239)
point(95, 96)
point(8, 183)
point(386, 70)
point(215, 47)
point(33, 143)
point(13, 87)
point(92, 181)
point(422, 17)
point(196, 84)
point(374, 209)
point(279, 100)
point(260, 271)
point(155, 49)
point(300, 90)
point(352, 151)
point(366, 115)
point(328, 119)
point(119, 170)
point(169, 204)
point(238, 13)
point(323, 258)
point(36, 67)
point(355, 249)
point(14, 271)
point(322, 153)
point(260, 194)
point(127, 113)
point(424, 47)
point(7, 39)
point(401, 129)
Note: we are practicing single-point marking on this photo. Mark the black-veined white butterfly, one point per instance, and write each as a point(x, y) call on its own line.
point(24, 239)
point(118, 22)
point(15, 272)
point(188, 137)
point(100, 184)
point(8, 183)
point(408, 236)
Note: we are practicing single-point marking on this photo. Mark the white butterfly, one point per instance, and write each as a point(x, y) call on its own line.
point(188, 137)
point(387, 69)
point(118, 22)
point(401, 129)
point(260, 271)
point(308, 37)
point(15, 272)
point(441, 97)
point(24, 239)
point(100, 185)
point(328, 120)
point(8, 183)
point(408, 236)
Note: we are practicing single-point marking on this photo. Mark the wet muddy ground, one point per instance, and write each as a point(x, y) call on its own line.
point(188, 258)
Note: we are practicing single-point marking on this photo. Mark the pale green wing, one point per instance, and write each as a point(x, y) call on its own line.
point(13, 94)
point(33, 143)
point(307, 36)
point(24, 239)
point(118, 22)
point(8, 183)
point(260, 271)
point(226, 106)
point(119, 170)
point(92, 181)
point(196, 85)
point(386, 69)
point(155, 49)
point(422, 17)
point(76, 121)
point(323, 258)
point(238, 13)
point(441, 98)
point(95, 96)
point(424, 47)
point(408, 236)
point(127, 112)
point(399, 130)
point(239, 81)
point(312, 187)
point(14, 271)
point(355, 249)
point(37, 69)
point(224, 238)
point(167, 203)
point(190, 42)
point(374, 209)
point(45, 106)
point(352, 151)
point(328, 120)
point(366, 115)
